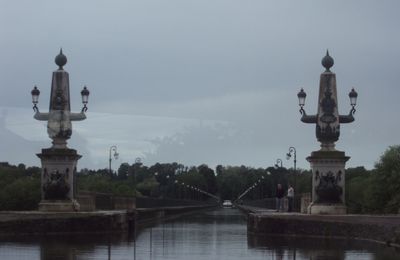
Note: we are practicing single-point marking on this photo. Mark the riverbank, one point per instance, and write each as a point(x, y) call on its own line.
point(376, 228)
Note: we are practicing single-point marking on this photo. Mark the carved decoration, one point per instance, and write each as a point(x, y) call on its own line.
point(328, 129)
point(55, 186)
point(328, 189)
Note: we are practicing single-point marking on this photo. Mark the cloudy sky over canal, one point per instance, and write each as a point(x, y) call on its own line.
point(211, 81)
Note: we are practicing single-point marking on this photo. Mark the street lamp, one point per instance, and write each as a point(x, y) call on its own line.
point(353, 100)
point(278, 162)
point(271, 185)
point(138, 161)
point(177, 193)
point(35, 98)
point(183, 190)
point(292, 150)
point(112, 149)
point(302, 100)
point(85, 98)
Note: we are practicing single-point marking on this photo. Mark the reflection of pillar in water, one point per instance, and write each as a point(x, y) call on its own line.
point(56, 250)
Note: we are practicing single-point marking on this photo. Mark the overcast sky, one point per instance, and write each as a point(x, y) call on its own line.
point(199, 81)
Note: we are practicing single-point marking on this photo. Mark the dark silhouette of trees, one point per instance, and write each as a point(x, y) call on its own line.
point(20, 187)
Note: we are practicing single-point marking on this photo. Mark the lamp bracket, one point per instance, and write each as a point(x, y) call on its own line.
point(345, 119)
point(308, 119)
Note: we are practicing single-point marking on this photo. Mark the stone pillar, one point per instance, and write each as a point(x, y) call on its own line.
point(328, 182)
point(58, 183)
point(327, 164)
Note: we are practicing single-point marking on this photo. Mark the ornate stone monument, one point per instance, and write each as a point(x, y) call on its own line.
point(327, 164)
point(58, 185)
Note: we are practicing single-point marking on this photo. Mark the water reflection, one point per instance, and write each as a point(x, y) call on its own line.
point(320, 248)
point(218, 234)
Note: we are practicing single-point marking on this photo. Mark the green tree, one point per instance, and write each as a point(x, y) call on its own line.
point(22, 194)
point(148, 187)
point(209, 176)
point(123, 171)
point(20, 187)
point(383, 190)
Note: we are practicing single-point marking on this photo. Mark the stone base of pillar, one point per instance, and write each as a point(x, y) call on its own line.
point(58, 174)
point(327, 209)
point(58, 206)
point(328, 182)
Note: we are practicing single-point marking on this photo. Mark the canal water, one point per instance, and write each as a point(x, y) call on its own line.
point(209, 235)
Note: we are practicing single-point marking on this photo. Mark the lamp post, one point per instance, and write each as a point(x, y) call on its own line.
point(138, 161)
point(116, 154)
point(327, 164)
point(59, 162)
point(262, 186)
point(177, 193)
point(292, 150)
point(183, 190)
point(271, 184)
point(278, 163)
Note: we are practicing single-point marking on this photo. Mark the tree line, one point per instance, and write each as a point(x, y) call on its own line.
point(367, 191)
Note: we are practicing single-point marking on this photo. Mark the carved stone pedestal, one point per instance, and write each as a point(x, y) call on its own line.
point(58, 183)
point(328, 182)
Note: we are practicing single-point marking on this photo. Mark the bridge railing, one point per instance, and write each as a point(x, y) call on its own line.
point(90, 201)
point(146, 202)
point(270, 203)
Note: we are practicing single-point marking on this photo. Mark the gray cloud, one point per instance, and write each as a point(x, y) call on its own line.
point(157, 68)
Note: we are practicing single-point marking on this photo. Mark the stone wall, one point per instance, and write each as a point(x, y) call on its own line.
point(383, 229)
point(91, 201)
point(35, 222)
point(146, 202)
point(86, 202)
point(270, 203)
point(52, 223)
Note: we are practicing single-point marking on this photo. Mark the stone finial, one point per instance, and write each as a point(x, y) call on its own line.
point(61, 60)
point(327, 61)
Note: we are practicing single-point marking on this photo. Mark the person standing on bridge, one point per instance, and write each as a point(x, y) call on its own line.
point(280, 193)
point(290, 196)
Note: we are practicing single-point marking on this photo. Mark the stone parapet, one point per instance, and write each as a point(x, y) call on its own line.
point(381, 229)
point(36, 222)
point(58, 206)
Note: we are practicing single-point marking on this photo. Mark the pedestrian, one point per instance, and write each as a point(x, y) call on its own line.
point(280, 193)
point(290, 196)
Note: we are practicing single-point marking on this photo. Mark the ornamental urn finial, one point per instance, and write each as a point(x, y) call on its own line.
point(60, 60)
point(327, 61)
